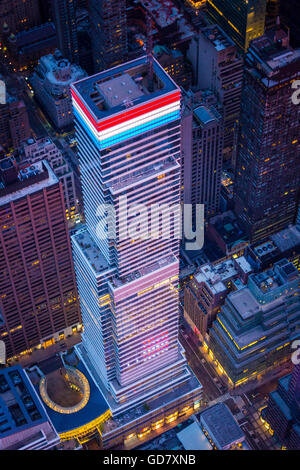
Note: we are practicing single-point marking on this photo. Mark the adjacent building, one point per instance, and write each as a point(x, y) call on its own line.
point(206, 292)
point(14, 123)
point(282, 414)
point(268, 165)
point(108, 32)
point(225, 231)
point(218, 66)
point(35, 150)
point(51, 84)
point(254, 331)
point(284, 244)
point(221, 427)
point(242, 20)
point(38, 295)
point(202, 155)
point(128, 133)
point(24, 424)
point(64, 17)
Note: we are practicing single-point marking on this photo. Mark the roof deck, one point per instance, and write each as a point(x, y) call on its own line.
point(122, 87)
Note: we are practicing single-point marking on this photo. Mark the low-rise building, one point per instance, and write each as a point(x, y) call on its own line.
point(254, 331)
point(24, 423)
point(206, 292)
point(284, 244)
point(221, 427)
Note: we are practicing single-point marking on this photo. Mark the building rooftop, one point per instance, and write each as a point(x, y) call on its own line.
point(28, 180)
point(221, 426)
point(103, 94)
point(163, 12)
point(216, 276)
point(94, 408)
point(217, 37)
point(119, 90)
point(245, 303)
point(270, 53)
point(91, 251)
point(58, 71)
point(20, 408)
point(204, 115)
point(228, 228)
point(286, 239)
point(193, 438)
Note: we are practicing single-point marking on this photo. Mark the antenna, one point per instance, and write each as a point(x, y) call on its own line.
point(150, 49)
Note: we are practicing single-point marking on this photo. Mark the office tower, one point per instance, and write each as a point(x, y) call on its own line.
point(14, 123)
point(51, 84)
point(268, 166)
point(24, 422)
point(108, 32)
point(64, 17)
point(38, 296)
point(242, 20)
point(206, 292)
point(283, 411)
point(202, 155)
point(35, 150)
point(218, 67)
point(128, 133)
point(19, 14)
point(254, 331)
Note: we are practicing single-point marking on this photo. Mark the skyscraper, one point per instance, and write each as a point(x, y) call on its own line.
point(219, 67)
point(202, 148)
point(109, 32)
point(268, 165)
point(64, 17)
point(38, 295)
point(128, 132)
point(243, 20)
